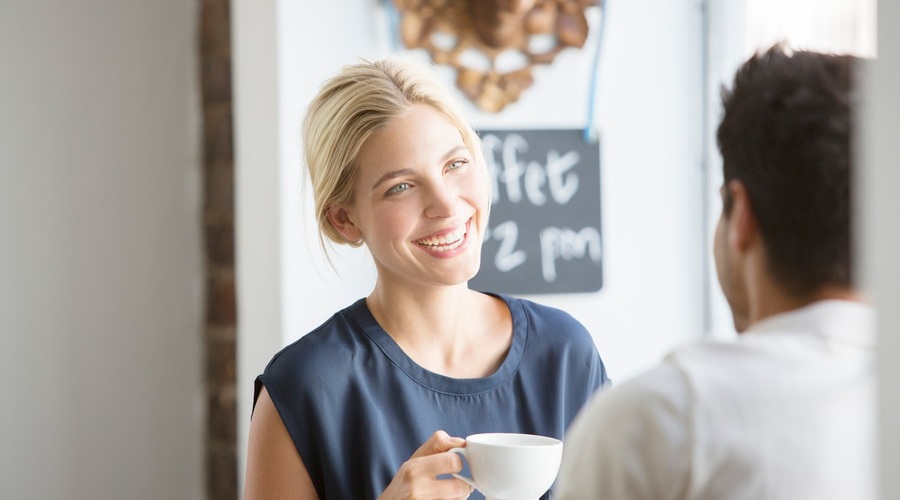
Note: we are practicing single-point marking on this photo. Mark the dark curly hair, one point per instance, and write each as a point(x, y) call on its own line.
point(786, 134)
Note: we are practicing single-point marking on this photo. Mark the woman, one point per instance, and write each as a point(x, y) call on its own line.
point(365, 405)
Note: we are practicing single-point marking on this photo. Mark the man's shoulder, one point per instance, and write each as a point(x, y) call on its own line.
point(670, 383)
point(640, 430)
point(660, 390)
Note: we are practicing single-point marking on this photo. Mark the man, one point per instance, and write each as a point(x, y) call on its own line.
point(788, 410)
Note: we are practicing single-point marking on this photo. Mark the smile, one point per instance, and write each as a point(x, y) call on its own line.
point(445, 242)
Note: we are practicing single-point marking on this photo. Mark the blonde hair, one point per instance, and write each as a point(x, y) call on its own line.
point(353, 105)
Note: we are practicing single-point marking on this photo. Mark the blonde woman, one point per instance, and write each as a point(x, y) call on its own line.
point(367, 405)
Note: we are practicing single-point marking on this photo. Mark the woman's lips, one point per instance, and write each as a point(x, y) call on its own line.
point(446, 242)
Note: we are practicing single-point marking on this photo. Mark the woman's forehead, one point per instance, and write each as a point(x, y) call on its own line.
point(419, 137)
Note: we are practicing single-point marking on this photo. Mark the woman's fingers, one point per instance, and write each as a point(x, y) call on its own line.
point(439, 442)
point(420, 476)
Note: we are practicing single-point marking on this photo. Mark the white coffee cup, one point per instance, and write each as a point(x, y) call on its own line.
point(511, 466)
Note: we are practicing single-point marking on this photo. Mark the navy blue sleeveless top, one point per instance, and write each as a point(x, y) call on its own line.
point(357, 407)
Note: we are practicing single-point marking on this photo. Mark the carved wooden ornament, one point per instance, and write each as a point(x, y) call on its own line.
point(493, 44)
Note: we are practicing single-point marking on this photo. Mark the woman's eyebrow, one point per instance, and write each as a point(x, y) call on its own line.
point(408, 171)
point(454, 150)
point(392, 175)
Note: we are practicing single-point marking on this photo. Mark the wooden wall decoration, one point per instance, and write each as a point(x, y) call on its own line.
point(460, 32)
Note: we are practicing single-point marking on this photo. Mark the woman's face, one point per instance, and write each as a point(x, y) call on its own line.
point(421, 201)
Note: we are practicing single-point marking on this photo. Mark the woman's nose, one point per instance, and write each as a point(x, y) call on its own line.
point(442, 201)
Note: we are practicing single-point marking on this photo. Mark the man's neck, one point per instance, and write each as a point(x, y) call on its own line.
point(771, 299)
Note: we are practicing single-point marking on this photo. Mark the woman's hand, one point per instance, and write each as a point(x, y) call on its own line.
point(417, 477)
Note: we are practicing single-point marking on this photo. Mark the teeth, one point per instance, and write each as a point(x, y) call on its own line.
point(446, 242)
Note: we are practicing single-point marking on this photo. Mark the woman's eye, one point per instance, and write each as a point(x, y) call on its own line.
point(399, 188)
point(458, 164)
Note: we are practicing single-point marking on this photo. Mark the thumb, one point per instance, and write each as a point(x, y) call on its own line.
point(439, 442)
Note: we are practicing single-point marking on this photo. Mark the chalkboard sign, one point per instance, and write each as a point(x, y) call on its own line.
point(544, 230)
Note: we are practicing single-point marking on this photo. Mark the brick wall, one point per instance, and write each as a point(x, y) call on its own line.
point(218, 221)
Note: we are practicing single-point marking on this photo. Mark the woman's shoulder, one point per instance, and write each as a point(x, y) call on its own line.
point(559, 340)
point(550, 328)
point(328, 346)
point(543, 317)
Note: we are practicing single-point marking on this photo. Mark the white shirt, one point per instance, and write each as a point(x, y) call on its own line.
point(785, 412)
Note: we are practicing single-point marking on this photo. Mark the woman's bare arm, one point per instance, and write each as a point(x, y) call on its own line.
point(274, 468)
point(276, 471)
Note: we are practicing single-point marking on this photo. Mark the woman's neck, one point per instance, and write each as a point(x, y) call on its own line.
point(449, 330)
point(421, 314)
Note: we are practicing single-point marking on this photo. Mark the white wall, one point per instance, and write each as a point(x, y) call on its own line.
point(257, 199)
point(880, 238)
point(737, 29)
point(649, 113)
point(649, 90)
point(101, 282)
point(725, 49)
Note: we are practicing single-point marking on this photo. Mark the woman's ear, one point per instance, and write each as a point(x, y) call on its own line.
point(340, 219)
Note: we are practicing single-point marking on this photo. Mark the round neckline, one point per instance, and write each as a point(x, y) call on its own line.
point(442, 383)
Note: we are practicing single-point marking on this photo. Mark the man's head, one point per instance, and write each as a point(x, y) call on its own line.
point(785, 139)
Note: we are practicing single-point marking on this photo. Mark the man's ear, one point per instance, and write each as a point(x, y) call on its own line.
point(340, 219)
point(742, 229)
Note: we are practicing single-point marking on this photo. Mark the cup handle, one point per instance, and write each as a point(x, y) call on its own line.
point(462, 453)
